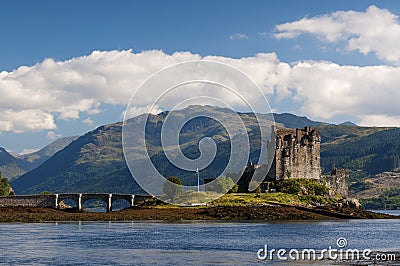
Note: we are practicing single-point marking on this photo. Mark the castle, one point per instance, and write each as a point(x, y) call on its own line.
point(297, 155)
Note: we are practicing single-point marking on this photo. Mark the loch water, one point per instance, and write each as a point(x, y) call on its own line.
point(183, 243)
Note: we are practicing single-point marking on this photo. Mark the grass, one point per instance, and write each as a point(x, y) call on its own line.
point(242, 199)
point(245, 199)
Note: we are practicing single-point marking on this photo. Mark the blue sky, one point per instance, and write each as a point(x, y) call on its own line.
point(35, 30)
point(61, 30)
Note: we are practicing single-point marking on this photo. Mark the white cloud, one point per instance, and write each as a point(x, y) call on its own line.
point(375, 30)
point(51, 135)
point(325, 89)
point(379, 120)
point(35, 98)
point(135, 111)
point(238, 36)
point(20, 121)
point(88, 121)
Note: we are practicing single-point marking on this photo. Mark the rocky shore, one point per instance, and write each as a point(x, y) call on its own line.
point(172, 213)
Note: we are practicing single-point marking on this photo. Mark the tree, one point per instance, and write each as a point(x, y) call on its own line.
point(172, 187)
point(302, 186)
point(5, 188)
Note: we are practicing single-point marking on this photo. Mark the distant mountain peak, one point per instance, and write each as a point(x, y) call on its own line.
point(348, 123)
point(294, 121)
point(4, 154)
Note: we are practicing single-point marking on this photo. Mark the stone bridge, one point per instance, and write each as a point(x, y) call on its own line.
point(53, 200)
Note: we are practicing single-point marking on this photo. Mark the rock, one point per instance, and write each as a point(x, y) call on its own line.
point(351, 203)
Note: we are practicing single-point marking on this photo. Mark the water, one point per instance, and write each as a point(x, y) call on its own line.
point(391, 212)
point(186, 243)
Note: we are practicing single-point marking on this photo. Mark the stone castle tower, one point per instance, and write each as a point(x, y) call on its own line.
point(297, 154)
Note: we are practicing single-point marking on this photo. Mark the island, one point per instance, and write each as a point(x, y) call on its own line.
point(294, 189)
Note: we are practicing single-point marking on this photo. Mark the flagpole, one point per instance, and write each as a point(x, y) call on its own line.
point(198, 180)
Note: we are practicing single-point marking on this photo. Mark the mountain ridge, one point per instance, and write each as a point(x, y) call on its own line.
point(95, 163)
point(13, 166)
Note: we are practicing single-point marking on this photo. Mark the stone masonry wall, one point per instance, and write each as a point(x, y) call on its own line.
point(43, 201)
point(297, 154)
point(339, 181)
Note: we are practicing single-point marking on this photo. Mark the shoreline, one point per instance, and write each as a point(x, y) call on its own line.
point(252, 213)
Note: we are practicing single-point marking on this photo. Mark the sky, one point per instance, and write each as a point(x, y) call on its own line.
point(68, 67)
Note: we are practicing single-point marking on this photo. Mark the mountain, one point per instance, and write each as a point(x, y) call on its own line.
point(37, 158)
point(95, 163)
point(294, 121)
point(10, 166)
point(13, 166)
point(89, 159)
point(363, 150)
point(348, 123)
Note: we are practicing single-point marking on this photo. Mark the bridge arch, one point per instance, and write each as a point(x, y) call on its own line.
point(107, 198)
point(130, 199)
point(75, 197)
point(80, 199)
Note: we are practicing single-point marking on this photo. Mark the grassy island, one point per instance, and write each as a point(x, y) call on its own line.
point(236, 206)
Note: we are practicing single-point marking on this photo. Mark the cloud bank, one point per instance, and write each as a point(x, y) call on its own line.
point(373, 31)
point(35, 98)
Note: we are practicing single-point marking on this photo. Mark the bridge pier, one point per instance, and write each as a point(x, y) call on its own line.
point(79, 203)
point(56, 201)
point(109, 203)
point(133, 200)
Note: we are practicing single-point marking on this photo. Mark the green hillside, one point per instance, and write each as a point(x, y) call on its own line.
point(95, 163)
point(95, 154)
point(363, 150)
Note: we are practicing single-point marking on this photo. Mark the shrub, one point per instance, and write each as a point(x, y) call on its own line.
point(5, 188)
point(302, 186)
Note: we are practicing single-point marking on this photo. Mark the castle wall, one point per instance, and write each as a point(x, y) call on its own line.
point(339, 181)
point(297, 154)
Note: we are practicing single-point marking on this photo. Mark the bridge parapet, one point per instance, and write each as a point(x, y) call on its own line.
point(38, 201)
